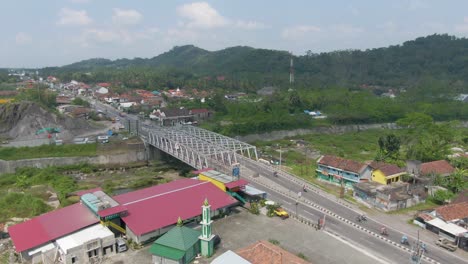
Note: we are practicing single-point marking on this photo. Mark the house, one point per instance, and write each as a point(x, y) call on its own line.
point(267, 91)
point(394, 196)
point(230, 257)
point(63, 99)
point(453, 212)
point(200, 114)
point(179, 245)
point(399, 195)
point(102, 90)
point(461, 198)
point(172, 116)
point(385, 173)
point(264, 252)
point(438, 167)
point(338, 170)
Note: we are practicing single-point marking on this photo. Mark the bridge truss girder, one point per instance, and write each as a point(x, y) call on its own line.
point(193, 151)
point(222, 141)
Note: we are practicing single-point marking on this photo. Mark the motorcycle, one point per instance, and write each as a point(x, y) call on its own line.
point(361, 218)
point(383, 231)
point(404, 241)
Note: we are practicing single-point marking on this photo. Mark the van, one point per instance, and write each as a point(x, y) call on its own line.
point(121, 245)
point(103, 139)
point(266, 162)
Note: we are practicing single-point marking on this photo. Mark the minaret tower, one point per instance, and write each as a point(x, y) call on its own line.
point(206, 238)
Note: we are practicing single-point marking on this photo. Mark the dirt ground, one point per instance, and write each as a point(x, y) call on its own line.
point(242, 228)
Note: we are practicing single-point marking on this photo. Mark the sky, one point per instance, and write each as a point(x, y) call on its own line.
point(43, 33)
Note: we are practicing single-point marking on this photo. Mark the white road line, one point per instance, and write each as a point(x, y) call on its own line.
point(379, 259)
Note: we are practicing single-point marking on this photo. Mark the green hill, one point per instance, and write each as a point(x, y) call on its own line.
point(441, 57)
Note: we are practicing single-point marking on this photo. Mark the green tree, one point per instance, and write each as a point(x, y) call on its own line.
point(458, 181)
point(442, 196)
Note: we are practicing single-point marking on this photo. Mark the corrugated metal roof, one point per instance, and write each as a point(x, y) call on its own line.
point(179, 237)
point(113, 210)
point(238, 183)
point(229, 257)
point(50, 226)
point(166, 252)
point(161, 205)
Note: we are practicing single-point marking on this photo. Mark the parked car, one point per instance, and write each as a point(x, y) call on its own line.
point(121, 245)
point(281, 213)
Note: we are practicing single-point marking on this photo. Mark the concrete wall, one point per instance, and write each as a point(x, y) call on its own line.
point(118, 159)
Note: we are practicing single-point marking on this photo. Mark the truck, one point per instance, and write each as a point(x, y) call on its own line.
point(121, 245)
point(444, 243)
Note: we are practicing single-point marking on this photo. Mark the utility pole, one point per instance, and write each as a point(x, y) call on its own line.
point(416, 255)
point(280, 158)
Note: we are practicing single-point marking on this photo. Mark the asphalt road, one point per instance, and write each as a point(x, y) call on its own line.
point(367, 240)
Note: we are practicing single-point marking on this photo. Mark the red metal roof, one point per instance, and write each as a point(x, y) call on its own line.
point(113, 210)
point(238, 183)
point(161, 205)
point(50, 226)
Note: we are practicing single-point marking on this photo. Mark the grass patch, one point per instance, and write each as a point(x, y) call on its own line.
point(21, 205)
point(419, 207)
point(274, 241)
point(44, 151)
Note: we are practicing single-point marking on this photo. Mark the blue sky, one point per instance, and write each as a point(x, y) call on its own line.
point(54, 33)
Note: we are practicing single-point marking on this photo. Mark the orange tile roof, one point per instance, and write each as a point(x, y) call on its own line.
point(263, 252)
point(441, 167)
point(386, 168)
point(453, 211)
point(343, 164)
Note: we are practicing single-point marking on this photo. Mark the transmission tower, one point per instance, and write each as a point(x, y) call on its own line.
point(291, 71)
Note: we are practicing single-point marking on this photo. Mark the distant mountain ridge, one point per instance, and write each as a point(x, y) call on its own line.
point(438, 56)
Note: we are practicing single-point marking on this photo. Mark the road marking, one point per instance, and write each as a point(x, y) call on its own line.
point(379, 259)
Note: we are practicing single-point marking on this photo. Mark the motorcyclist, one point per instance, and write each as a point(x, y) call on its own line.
point(383, 230)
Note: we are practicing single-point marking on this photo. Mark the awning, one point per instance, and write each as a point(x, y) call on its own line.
point(113, 210)
point(447, 227)
point(238, 183)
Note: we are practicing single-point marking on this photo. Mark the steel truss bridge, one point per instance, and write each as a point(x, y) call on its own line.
point(198, 147)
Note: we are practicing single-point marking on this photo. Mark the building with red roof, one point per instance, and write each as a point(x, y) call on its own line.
point(338, 170)
point(142, 214)
point(438, 167)
point(153, 211)
point(50, 226)
point(385, 173)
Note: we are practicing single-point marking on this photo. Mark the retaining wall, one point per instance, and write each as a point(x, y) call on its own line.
point(131, 156)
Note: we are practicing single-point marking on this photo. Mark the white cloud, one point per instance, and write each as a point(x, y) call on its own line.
point(299, 31)
point(201, 15)
point(70, 17)
point(249, 25)
point(22, 38)
point(126, 17)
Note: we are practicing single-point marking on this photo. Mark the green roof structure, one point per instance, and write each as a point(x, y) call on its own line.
point(175, 243)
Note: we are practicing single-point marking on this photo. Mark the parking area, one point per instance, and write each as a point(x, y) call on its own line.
point(242, 228)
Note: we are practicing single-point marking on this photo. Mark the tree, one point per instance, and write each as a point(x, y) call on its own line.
point(458, 181)
point(442, 196)
point(389, 147)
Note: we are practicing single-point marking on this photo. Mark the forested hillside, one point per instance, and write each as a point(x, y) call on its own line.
point(440, 57)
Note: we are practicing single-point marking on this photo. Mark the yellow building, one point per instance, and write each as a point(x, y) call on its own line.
point(222, 181)
point(385, 173)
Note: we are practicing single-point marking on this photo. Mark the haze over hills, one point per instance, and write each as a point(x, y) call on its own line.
point(441, 57)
